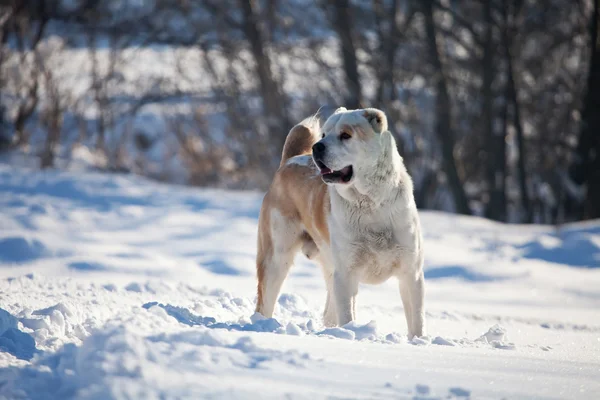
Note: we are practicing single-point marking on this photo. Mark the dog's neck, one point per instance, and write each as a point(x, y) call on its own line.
point(383, 182)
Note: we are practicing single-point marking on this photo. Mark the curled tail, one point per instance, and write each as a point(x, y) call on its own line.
point(301, 138)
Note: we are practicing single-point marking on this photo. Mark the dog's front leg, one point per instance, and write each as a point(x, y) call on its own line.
point(345, 288)
point(418, 299)
point(412, 292)
point(329, 314)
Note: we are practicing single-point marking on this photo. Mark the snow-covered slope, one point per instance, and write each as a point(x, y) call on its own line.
point(118, 287)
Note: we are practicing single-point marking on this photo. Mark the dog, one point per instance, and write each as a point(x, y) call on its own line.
point(343, 196)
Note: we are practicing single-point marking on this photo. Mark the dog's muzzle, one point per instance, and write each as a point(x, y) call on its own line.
point(327, 174)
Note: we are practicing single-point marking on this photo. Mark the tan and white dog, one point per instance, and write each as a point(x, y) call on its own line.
point(349, 206)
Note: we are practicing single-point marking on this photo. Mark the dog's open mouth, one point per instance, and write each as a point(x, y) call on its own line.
point(343, 175)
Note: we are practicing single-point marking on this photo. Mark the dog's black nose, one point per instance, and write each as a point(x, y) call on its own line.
point(318, 149)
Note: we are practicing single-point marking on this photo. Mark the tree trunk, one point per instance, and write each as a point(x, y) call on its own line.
point(513, 99)
point(342, 22)
point(52, 118)
point(27, 106)
point(492, 208)
point(388, 39)
point(53, 137)
point(586, 168)
point(273, 100)
point(5, 134)
point(443, 121)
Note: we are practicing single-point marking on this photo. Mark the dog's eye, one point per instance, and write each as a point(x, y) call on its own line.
point(344, 136)
point(323, 135)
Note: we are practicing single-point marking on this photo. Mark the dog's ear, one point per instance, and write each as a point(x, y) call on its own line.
point(340, 109)
point(387, 139)
point(388, 143)
point(377, 119)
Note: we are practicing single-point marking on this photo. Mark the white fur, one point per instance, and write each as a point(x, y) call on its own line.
point(300, 160)
point(374, 224)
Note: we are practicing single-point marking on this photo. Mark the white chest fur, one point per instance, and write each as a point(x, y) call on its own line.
point(375, 243)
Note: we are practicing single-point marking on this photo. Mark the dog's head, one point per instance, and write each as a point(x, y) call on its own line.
point(350, 145)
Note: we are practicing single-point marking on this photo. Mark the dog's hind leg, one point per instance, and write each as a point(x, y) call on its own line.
point(278, 242)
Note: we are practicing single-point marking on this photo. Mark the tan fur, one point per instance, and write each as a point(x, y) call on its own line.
point(299, 141)
point(298, 194)
point(264, 249)
point(309, 198)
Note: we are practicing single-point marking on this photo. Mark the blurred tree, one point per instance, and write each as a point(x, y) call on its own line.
point(273, 99)
point(443, 124)
point(342, 22)
point(389, 38)
point(483, 97)
point(26, 24)
point(495, 142)
point(509, 9)
point(586, 168)
point(5, 134)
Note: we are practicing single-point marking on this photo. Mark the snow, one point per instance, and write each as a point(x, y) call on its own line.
point(113, 286)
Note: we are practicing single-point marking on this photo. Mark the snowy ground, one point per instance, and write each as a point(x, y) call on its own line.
point(117, 287)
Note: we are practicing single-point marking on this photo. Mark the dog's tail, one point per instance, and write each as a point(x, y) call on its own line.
point(301, 138)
